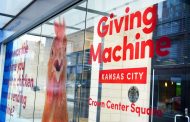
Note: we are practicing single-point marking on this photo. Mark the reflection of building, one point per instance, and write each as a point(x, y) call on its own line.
point(171, 72)
point(77, 70)
point(175, 26)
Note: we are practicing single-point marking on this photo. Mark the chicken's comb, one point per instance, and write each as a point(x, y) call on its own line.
point(59, 29)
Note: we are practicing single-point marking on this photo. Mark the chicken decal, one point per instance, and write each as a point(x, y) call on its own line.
point(55, 108)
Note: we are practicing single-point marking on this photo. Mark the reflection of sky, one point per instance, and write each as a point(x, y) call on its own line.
point(78, 20)
point(13, 8)
point(4, 20)
point(160, 7)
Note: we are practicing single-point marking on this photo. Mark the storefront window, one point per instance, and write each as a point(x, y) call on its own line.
point(101, 61)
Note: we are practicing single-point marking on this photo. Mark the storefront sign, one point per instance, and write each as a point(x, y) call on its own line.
point(123, 47)
point(133, 75)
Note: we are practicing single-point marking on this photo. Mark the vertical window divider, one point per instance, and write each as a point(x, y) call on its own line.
point(36, 83)
point(83, 56)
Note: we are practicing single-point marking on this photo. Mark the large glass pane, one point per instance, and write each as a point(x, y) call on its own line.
point(59, 70)
point(171, 71)
point(115, 37)
point(19, 80)
point(114, 61)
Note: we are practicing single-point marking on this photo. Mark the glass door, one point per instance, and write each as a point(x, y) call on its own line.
point(171, 94)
